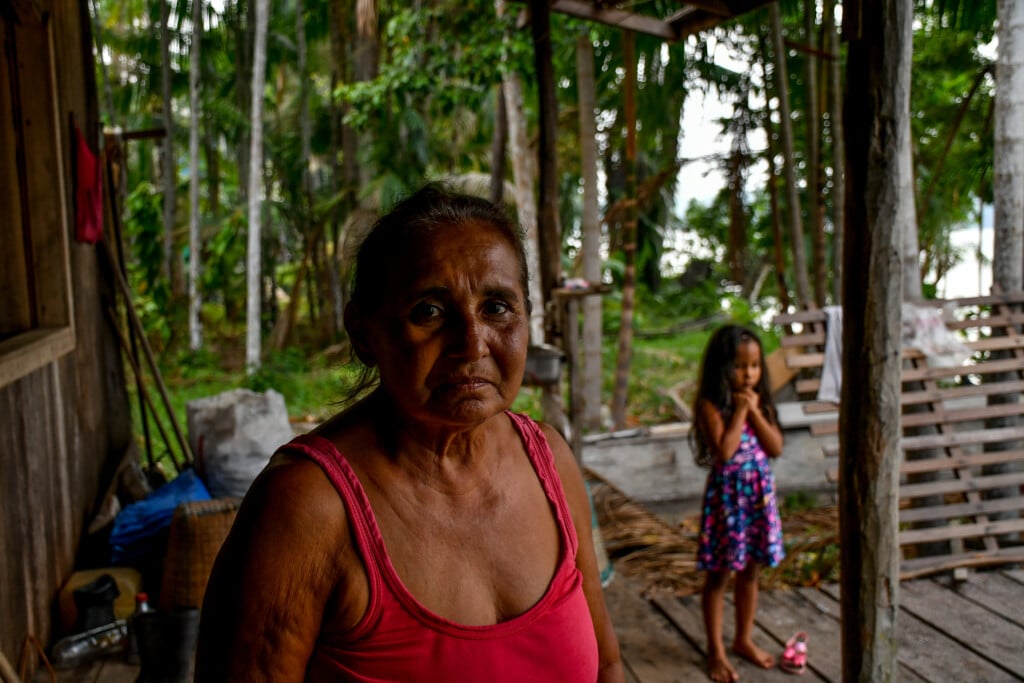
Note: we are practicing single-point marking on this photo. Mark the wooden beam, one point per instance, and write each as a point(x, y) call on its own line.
point(878, 86)
point(31, 350)
point(702, 15)
point(616, 17)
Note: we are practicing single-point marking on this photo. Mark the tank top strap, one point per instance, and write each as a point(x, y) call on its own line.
point(369, 542)
point(543, 459)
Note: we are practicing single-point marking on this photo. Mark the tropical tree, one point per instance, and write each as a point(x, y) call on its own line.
point(195, 300)
point(803, 286)
point(1008, 186)
point(170, 172)
point(254, 289)
point(590, 229)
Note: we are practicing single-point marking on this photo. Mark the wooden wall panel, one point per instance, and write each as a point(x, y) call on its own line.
point(64, 426)
point(15, 314)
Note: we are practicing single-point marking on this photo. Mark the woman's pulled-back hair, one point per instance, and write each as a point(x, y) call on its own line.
point(431, 207)
point(715, 385)
point(418, 215)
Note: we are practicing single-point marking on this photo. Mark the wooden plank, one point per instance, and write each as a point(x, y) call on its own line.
point(816, 359)
point(994, 591)
point(803, 317)
point(686, 615)
point(783, 612)
point(955, 510)
point(46, 199)
point(962, 438)
point(992, 320)
point(116, 671)
point(614, 17)
point(808, 338)
point(1015, 574)
point(962, 391)
point(810, 386)
point(935, 488)
point(652, 649)
point(951, 531)
point(963, 473)
point(16, 313)
point(974, 627)
point(820, 616)
point(943, 416)
point(937, 417)
point(27, 352)
point(986, 368)
point(961, 461)
point(933, 655)
point(923, 566)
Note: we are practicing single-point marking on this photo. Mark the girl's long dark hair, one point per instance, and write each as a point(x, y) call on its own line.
point(715, 387)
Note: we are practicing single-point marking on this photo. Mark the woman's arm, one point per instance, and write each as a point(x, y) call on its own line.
point(610, 659)
point(274, 575)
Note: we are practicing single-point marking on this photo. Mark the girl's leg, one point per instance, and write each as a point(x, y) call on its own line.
point(713, 604)
point(746, 609)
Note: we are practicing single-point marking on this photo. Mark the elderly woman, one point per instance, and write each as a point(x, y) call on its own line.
point(425, 533)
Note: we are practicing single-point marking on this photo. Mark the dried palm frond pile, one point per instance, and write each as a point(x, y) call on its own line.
point(662, 557)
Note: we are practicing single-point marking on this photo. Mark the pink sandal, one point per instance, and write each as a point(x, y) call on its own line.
point(794, 657)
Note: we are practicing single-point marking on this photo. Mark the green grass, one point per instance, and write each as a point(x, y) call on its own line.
point(314, 385)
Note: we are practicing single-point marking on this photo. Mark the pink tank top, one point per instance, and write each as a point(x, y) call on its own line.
point(398, 639)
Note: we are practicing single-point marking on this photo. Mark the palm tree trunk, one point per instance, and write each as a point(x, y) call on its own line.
point(547, 200)
point(1008, 190)
point(253, 252)
point(549, 233)
point(1008, 181)
point(835, 91)
point(108, 97)
point(778, 237)
point(524, 174)
point(620, 395)
point(244, 23)
point(195, 248)
point(815, 199)
point(170, 180)
point(499, 143)
point(591, 229)
point(736, 243)
point(796, 226)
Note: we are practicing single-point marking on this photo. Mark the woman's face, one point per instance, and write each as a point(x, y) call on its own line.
point(451, 334)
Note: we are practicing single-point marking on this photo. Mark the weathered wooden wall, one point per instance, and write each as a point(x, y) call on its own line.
point(64, 426)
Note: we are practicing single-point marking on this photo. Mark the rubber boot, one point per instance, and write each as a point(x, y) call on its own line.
point(95, 603)
point(167, 645)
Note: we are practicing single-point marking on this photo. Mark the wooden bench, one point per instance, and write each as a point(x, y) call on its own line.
point(954, 420)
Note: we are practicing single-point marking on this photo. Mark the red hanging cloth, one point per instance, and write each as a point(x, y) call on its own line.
point(88, 192)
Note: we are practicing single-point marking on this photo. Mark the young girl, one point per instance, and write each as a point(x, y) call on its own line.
point(736, 432)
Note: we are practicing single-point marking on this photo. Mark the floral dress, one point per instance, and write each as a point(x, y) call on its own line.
point(741, 520)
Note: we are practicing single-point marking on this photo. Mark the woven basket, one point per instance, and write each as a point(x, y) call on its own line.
point(197, 532)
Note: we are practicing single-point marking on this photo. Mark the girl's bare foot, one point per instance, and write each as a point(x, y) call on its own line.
point(719, 669)
point(754, 654)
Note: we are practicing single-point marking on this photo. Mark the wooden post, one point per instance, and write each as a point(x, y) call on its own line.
point(878, 33)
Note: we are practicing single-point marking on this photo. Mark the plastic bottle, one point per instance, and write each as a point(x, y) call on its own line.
point(141, 607)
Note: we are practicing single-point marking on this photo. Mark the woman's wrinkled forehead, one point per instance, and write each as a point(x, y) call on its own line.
point(411, 245)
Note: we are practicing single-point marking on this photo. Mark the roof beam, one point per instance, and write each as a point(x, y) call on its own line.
point(615, 17)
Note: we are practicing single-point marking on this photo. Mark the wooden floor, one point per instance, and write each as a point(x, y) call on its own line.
point(973, 631)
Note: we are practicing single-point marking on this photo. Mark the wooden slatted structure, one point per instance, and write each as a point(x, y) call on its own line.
point(962, 472)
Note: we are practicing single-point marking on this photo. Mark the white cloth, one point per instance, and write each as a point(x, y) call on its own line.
point(832, 366)
point(925, 330)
